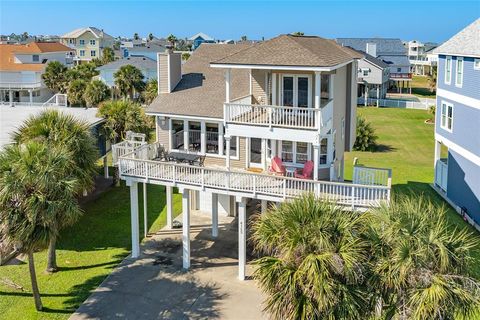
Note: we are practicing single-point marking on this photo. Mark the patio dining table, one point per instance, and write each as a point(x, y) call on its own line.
point(184, 157)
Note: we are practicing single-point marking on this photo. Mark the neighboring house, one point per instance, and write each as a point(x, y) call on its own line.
point(147, 66)
point(392, 52)
point(457, 121)
point(149, 50)
point(22, 66)
point(420, 60)
point(200, 38)
point(373, 77)
point(266, 122)
point(88, 43)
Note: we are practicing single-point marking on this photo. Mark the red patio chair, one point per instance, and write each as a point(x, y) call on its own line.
point(277, 166)
point(306, 172)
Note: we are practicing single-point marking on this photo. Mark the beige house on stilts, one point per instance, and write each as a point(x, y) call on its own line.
point(266, 121)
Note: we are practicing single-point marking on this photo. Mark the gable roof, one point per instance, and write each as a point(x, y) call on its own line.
point(202, 89)
point(201, 35)
point(378, 62)
point(294, 51)
point(78, 32)
point(139, 62)
point(385, 46)
point(464, 43)
point(8, 51)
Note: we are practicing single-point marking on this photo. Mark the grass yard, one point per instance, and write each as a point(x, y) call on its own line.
point(420, 87)
point(87, 253)
point(407, 147)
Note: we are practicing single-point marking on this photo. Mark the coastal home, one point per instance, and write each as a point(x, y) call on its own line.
point(247, 123)
point(200, 38)
point(389, 50)
point(147, 66)
point(457, 121)
point(88, 43)
point(148, 50)
point(421, 61)
point(21, 69)
point(373, 77)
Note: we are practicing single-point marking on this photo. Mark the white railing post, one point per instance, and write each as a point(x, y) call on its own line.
point(353, 197)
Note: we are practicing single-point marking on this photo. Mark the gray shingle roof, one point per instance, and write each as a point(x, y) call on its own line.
point(139, 62)
point(396, 61)
point(202, 88)
point(466, 42)
point(385, 46)
point(150, 47)
point(290, 50)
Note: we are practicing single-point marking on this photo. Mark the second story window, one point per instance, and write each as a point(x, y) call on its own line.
point(296, 91)
point(81, 42)
point(92, 42)
point(446, 120)
point(459, 72)
point(93, 53)
point(35, 58)
point(448, 70)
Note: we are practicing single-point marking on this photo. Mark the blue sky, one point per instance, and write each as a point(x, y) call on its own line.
point(422, 20)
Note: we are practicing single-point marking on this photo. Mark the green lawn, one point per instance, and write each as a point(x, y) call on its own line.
point(87, 253)
point(407, 147)
point(420, 87)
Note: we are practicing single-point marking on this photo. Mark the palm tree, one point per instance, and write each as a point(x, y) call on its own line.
point(57, 129)
point(108, 55)
point(315, 261)
point(55, 77)
point(172, 39)
point(150, 36)
point(35, 184)
point(421, 266)
point(151, 91)
point(129, 79)
point(135, 36)
point(75, 91)
point(96, 92)
point(298, 33)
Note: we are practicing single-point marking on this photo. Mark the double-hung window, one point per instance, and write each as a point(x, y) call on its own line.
point(459, 72)
point(35, 58)
point(295, 152)
point(81, 42)
point(476, 64)
point(93, 53)
point(92, 42)
point(448, 70)
point(446, 116)
point(296, 91)
point(82, 53)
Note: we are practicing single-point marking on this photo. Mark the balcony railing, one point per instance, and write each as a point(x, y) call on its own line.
point(400, 75)
point(272, 116)
point(138, 166)
point(20, 84)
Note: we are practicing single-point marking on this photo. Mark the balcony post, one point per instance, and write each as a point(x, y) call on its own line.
point(186, 228)
point(227, 152)
point(169, 206)
point(30, 95)
point(227, 85)
point(185, 135)
point(214, 215)
point(134, 218)
point(316, 155)
point(274, 88)
point(318, 89)
point(242, 237)
point(203, 137)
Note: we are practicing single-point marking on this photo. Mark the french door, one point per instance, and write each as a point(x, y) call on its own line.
point(255, 152)
point(296, 91)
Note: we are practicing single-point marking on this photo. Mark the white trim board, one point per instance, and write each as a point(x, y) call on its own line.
point(276, 67)
point(467, 101)
point(458, 149)
point(181, 116)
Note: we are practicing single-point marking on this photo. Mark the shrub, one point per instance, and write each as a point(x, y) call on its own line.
point(366, 138)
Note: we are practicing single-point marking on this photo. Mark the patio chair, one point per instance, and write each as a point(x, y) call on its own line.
point(277, 167)
point(306, 172)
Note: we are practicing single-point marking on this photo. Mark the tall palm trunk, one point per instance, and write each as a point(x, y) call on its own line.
point(33, 279)
point(52, 256)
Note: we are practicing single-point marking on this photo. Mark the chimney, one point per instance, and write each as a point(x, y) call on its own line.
point(169, 70)
point(372, 49)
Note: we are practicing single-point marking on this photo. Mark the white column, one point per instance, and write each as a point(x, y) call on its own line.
point(274, 147)
point(134, 219)
point(317, 89)
point(10, 96)
point(227, 85)
point(30, 96)
point(378, 94)
point(185, 134)
point(264, 154)
point(186, 228)
point(264, 206)
point(214, 215)
point(242, 238)
point(220, 139)
point(145, 219)
point(203, 137)
point(438, 148)
point(105, 167)
point(274, 89)
point(227, 152)
point(169, 206)
point(316, 155)
point(366, 95)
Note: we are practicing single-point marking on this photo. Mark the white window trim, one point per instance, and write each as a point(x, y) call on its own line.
point(92, 42)
point(295, 88)
point(457, 84)
point(476, 64)
point(449, 79)
point(448, 105)
point(294, 154)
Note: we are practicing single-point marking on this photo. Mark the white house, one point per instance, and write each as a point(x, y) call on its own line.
point(147, 66)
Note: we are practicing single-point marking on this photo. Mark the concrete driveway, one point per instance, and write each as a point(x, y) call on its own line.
point(155, 287)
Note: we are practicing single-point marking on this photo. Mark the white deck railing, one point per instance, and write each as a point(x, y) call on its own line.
point(59, 100)
point(272, 116)
point(262, 186)
point(123, 148)
point(372, 176)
